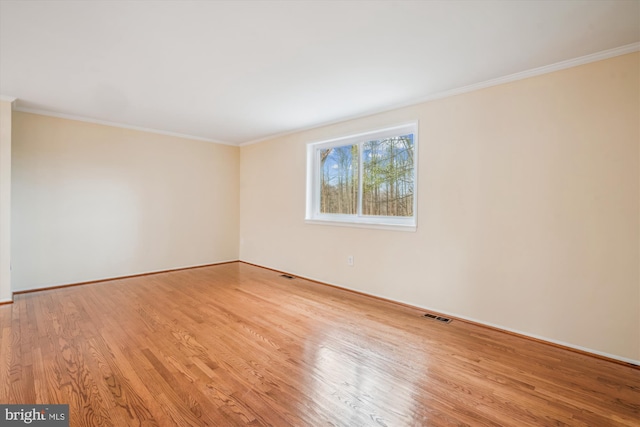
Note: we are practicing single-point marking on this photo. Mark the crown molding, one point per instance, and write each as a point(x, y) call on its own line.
point(117, 125)
point(7, 98)
point(562, 65)
point(598, 56)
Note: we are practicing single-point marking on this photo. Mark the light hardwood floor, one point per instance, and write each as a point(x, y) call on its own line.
point(235, 344)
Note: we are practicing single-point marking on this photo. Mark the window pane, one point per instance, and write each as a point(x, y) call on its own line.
point(387, 174)
point(339, 180)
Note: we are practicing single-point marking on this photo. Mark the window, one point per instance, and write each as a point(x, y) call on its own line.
point(367, 179)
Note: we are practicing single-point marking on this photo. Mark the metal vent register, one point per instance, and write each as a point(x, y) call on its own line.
point(438, 318)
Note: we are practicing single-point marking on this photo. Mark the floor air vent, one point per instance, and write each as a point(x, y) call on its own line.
point(286, 276)
point(438, 318)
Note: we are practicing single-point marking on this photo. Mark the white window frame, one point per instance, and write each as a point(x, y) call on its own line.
point(313, 214)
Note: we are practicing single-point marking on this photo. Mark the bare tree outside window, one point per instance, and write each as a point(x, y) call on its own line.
point(339, 180)
point(387, 187)
point(388, 177)
point(368, 179)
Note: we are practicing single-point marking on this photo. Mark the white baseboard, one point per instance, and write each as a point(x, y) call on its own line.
point(471, 319)
point(538, 337)
point(106, 279)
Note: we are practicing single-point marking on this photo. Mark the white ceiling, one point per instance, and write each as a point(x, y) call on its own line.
point(240, 71)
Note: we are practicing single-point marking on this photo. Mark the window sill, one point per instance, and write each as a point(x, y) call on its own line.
point(374, 225)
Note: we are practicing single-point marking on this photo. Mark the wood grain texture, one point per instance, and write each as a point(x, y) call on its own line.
point(236, 344)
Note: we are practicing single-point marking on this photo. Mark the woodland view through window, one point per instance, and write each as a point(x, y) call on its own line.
point(367, 178)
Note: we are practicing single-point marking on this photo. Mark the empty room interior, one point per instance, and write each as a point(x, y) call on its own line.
point(320, 213)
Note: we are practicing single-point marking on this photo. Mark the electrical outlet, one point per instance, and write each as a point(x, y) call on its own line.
point(350, 260)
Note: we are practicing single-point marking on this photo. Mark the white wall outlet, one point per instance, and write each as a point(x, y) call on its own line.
point(350, 260)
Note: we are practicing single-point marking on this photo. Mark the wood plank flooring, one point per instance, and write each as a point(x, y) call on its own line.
point(235, 344)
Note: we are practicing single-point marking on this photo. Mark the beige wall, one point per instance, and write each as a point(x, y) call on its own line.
point(93, 201)
point(5, 201)
point(528, 209)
